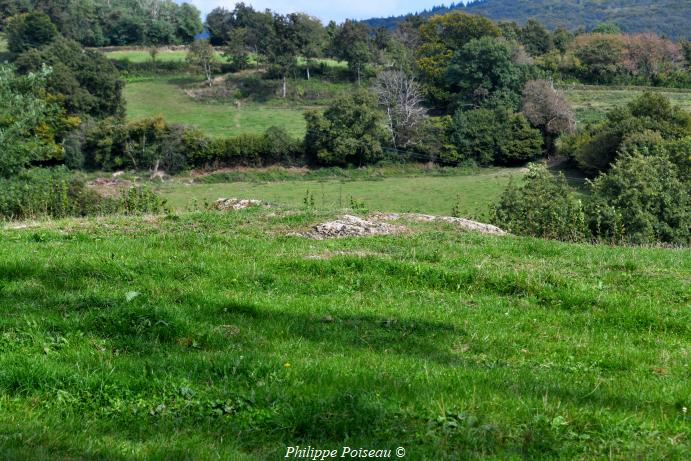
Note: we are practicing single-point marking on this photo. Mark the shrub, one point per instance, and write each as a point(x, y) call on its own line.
point(544, 206)
point(640, 200)
point(57, 193)
point(495, 137)
point(349, 132)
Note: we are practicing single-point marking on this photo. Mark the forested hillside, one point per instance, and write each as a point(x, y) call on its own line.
point(665, 17)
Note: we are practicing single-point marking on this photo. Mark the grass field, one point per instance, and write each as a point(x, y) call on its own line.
point(144, 56)
point(472, 194)
point(165, 97)
point(167, 55)
point(592, 104)
point(216, 336)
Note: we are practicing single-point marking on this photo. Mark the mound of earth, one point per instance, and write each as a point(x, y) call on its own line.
point(466, 224)
point(226, 204)
point(352, 226)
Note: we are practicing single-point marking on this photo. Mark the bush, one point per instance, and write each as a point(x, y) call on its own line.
point(641, 200)
point(349, 132)
point(544, 206)
point(57, 193)
point(495, 137)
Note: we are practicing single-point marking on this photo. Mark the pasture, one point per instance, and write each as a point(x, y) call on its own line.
point(592, 103)
point(219, 336)
point(471, 192)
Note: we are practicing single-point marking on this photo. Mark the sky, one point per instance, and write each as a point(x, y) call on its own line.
point(327, 10)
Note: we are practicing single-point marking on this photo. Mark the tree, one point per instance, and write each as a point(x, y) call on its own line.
point(311, 38)
point(440, 38)
point(30, 30)
point(282, 50)
point(609, 28)
point(548, 110)
point(401, 97)
point(649, 55)
point(85, 81)
point(201, 55)
point(349, 132)
point(600, 55)
point(27, 121)
point(218, 24)
point(562, 39)
point(188, 23)
point(536, 38)
point(641, 200)
point(485, 73)
point(352, 43)
point(496, 136)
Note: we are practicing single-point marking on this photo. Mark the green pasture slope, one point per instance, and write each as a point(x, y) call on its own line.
point(212, 336)
point(471, 192)
point(165, 96)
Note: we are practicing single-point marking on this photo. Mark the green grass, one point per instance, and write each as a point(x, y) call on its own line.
point(164, 55)
point(165, 97)
point(592, 104)
point(473, 193)
point(216, 336)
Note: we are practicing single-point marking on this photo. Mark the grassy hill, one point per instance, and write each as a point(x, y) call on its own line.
point(220, 336)
point(666, 17)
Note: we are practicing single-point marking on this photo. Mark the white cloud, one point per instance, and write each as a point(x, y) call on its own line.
point(328, 9)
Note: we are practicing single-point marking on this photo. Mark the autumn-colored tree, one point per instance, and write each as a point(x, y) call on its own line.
point(548, 110)
point(649, 55)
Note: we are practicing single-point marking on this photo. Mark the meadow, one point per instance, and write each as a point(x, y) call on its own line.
point(591, 103)
point(255, 110)
point(471, 192)
point(220, 336)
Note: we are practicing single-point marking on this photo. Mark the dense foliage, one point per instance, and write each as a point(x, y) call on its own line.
point(153, 145)
point(106, 22)
point(349, 132)
point(495, 137)
point(596, 147)
point(30, 123)
point(85, 81)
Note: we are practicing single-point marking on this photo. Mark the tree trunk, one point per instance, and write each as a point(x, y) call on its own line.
point(308, 71)
point(285, 86)
point(358, 74)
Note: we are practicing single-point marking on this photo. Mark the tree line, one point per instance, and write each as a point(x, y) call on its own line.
point(96, 23)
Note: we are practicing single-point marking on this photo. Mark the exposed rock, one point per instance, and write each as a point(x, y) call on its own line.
point(225, 204)
point(466, 224)
point(352, 226)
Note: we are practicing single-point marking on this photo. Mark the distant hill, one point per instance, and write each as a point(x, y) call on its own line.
point(671, 18)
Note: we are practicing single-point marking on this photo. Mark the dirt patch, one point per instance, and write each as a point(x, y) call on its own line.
point(466, 224)
point(231, 204)
point(332, 254)
point(352, 226)
point(109, 187)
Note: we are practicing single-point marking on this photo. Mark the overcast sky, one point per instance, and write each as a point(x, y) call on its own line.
point(326, 10)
